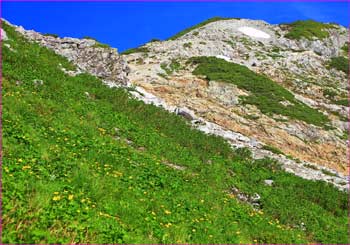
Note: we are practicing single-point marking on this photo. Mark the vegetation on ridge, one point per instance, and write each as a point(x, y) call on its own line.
point(182, 33)
point(266, 94)
point(340, 63)
point(135, 50)
point(83, 163)
point(308, 29)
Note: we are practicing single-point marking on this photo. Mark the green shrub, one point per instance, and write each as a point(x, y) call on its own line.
point(90, 38)
point(308, 29)
point(50, 35)
point(155, 40)
point(272, 149)
point(97, 44)
point(174, 66)
point(345, 48)
point(344, 102)
point(136, 50)
point(310, 166)
point(340, 63)
point(266, 94)
point(187, 45)
point(329, 92)
point(101, 45)
point(326, 172)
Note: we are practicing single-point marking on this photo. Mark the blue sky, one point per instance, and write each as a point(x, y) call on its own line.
point(125, 25)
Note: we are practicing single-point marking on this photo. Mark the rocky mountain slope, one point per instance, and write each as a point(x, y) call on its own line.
point(297, 65)
point(269, 91)
point(308, 146)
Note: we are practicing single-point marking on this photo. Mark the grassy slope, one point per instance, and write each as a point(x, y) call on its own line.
point(340, 63)
point(308, 29)
point(266, 94)
point(70, 177)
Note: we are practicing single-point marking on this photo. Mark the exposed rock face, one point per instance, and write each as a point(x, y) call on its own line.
point(298, 65)
point(87, 54)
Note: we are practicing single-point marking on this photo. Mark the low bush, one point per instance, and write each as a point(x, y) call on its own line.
point(340, 63)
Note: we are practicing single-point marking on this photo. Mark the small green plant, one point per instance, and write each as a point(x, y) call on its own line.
point(196, 33)
point(90, 38)
point(308, 29)
point(174, 66)
point(101, 45)
point(162, 75)
point(310, 166)
point(340, 63)
point(135, 50)
point(345, 48)
point(244, 152)
point(187, 45)
point(344, 102)
point(272, 149)
point(97, 44)
point(231, 43)
point(329, 93)
point(326, 172)
point(345, 135)
point(50, 35)
point(139, 61)
point(276, 49)
point(155, 40)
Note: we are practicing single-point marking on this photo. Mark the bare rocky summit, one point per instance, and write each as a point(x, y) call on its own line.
point(160, 74)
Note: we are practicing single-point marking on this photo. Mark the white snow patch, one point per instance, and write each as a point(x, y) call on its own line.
point(252, 32)
point(223, 57)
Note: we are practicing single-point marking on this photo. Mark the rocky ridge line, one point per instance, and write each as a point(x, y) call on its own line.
point(87, 54)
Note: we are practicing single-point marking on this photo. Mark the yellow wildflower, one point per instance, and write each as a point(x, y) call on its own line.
point(56, 198)
point(167, 212)
point(26, 167)
point(168, 225)
point(70, 197)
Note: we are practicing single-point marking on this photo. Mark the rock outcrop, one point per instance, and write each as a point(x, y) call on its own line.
point(87, 54)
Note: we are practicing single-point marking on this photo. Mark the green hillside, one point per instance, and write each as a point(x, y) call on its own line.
point(83, 163)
